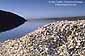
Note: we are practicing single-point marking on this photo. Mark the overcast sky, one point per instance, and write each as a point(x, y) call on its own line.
point(40, 9)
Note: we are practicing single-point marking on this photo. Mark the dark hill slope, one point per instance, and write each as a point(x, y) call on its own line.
point(9, 20)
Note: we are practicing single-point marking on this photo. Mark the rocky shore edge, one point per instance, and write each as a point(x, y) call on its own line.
point(60, 38)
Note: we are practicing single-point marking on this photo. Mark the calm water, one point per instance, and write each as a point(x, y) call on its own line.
point(23, 29)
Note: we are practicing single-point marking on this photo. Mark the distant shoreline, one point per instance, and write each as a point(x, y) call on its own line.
point(70, 18)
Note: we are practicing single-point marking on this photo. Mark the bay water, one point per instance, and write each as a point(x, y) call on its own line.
point(23, 29)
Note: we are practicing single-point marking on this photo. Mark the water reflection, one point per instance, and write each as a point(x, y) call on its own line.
point(28, 26)
point(9, 20)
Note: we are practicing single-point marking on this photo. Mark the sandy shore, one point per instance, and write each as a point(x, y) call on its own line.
point(61, 38)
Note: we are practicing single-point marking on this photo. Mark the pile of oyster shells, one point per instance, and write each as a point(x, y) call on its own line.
point(61, 38)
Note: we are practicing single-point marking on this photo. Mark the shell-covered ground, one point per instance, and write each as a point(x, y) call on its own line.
point(60, 38)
